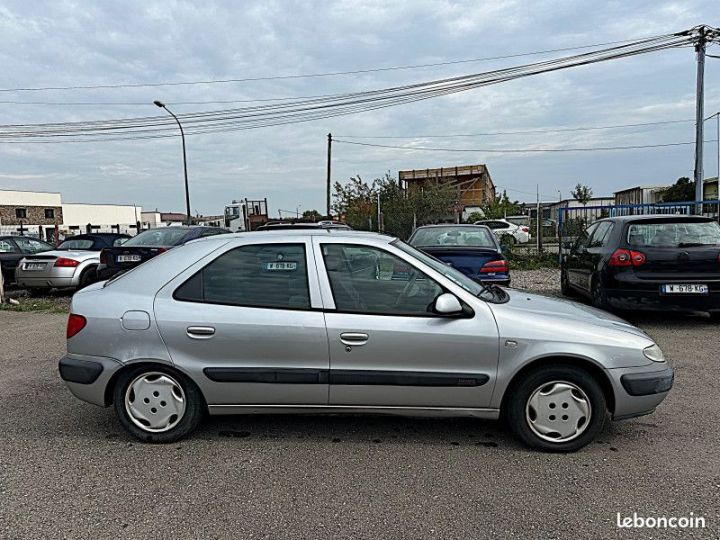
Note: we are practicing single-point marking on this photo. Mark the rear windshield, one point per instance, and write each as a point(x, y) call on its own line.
point(453, 236)
point(167, 236)
point(78, 243)
point(674, 234)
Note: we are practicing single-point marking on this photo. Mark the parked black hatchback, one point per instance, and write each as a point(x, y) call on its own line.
point(652, 262)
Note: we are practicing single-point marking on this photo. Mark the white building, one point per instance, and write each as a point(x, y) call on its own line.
point(40, 213)
point(101, 217)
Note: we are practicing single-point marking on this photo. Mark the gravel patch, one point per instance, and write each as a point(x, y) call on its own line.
point(543, 281)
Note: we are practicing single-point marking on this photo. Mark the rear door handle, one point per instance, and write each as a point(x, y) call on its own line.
point(200, 332)
point(354, 339)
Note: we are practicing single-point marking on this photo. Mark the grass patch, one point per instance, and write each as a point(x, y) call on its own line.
point(41, 305)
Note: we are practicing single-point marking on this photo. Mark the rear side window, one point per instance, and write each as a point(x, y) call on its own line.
point(674, 234)
point(601, 234)
point(77, 243)
point(261, 275)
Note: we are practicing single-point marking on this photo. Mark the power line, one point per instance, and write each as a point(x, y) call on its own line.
point(520, 150)
point(256, 116)
point(521, 132)
point(312, 75)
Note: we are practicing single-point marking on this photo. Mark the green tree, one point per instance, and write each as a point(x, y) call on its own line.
point(582, 194)
point(356, 201)
point(311, 215)
point(681, 191)
point(475, 216)
point(499, 208)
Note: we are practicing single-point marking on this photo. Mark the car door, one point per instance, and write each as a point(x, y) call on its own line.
point(248, 325)
point(576, 262)
point(588, 261)
point(387, 349)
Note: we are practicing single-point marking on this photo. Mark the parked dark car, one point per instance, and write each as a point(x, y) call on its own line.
point(147, 245)
point(471, 249)
point(14, 248)
point(653, 262)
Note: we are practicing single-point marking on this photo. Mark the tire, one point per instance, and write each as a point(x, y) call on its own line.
point(597, 294)
point(34, 292)
point(152, 388)
point(88, 276)
point(525, 422)
point(565, 287)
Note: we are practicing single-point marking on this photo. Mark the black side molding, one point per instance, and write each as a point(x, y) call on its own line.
point(343, 376)
point(406, 378)
point(79, 371)
point(645, 384)
point(267, 375)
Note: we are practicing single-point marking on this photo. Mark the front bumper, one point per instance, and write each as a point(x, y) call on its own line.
point(87, 377)
point(639, 390)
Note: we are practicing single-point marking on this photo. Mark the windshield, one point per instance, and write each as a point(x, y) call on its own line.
point(167, 236)
point(78, 243)
point(453, 237)
point(674, 234)
point(489, 294)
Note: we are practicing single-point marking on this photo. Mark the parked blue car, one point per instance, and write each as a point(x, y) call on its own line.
point(471, 249)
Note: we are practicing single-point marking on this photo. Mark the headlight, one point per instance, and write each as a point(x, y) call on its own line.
point(654, 353)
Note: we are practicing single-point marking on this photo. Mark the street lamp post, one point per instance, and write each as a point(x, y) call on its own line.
point(182, 135)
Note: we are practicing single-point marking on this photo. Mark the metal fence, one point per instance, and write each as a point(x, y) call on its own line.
point(573, 221)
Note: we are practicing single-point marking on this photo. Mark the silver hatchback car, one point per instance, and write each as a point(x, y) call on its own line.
point(333, 321)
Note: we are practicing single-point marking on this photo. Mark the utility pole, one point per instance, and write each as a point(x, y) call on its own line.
point(699, 115)
point(379, 221)
point(327, 186)
point(538, 220)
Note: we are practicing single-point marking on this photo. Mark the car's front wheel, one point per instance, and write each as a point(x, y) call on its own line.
point(556, 409)
point(156, 404)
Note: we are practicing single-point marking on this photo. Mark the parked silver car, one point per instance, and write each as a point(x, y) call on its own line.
point(342, 321)
point(73, 264)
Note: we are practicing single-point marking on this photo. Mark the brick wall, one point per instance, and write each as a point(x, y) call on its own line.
point(35, 215)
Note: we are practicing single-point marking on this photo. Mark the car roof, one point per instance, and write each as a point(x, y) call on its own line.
point(294, 233)
point(15, 236)
point(647, 217)
point(452, 225)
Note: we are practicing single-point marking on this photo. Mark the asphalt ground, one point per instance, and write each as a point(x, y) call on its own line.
point(68, 470)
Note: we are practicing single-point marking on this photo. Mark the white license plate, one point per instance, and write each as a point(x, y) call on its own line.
point(128, 258)
point(682, 288)
point(34, 266)
point(281, 266)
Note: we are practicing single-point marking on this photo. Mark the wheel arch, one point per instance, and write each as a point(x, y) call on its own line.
point(150, 364)
point(585, 364)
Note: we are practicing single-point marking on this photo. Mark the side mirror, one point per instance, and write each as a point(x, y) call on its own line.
point(448, 304)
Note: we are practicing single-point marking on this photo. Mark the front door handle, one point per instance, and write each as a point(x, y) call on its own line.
point(200, 332)
point(354, 339)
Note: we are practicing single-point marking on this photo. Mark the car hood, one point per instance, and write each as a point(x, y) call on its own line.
point(563, 312)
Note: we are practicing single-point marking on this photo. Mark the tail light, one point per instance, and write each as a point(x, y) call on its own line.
point(75, 324)
point(626, 257)
point(62, 262)
point(494, 267)
point(525, 229)
point(103, 256)
point(161, 250)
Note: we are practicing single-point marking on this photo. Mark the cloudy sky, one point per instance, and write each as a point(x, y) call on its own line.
point(132, 41)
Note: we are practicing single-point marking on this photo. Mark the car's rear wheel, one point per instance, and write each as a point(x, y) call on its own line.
point(507, 239)
point(597, 294)
point(556, 409)
point(88, 276)
point(157, 404)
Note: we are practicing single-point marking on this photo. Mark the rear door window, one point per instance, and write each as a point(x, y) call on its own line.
point(259, 275)
point(601, 234)
point(670, 234)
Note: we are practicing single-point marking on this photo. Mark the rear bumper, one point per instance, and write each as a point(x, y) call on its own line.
point(87, 377)
point(45, 282)
point(634, 299)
